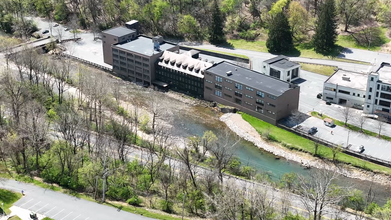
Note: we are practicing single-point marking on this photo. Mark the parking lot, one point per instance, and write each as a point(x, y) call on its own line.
point(49, 209)
point(375, 147)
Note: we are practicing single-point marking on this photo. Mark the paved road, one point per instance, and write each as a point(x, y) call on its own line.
point(60, 206)
point(258, 57)
point(365, 55)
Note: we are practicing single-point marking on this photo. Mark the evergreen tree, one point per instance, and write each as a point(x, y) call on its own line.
point(326, 28)
point(216, 33)
point(280, 35)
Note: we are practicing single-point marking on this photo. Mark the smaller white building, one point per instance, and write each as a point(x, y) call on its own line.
point(346, 88)
point(281, 68)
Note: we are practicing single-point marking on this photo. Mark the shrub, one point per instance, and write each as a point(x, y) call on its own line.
point(134, 200)
point(371, 208)
point(167, 206)
point(119, 192)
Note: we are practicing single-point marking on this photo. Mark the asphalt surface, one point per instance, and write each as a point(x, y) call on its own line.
point(60, 206)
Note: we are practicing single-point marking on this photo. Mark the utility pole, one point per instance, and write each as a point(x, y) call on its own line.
point(104, 181)
point(183, 204)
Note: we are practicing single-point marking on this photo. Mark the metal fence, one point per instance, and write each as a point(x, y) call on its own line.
point(106, 69)
point(332, 145)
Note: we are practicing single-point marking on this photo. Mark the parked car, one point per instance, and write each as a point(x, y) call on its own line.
point(66, 29)
point(328, 103)
point(319, 96)
point(361, 149)
point(45, 31)
point(328, 122)
point(55, 25)
point(313, 130)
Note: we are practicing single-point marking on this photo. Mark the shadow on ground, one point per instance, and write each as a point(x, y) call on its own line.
point(295, 119)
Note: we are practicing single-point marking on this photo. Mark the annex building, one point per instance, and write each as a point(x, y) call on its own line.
point(281, 68)
point(370, 90)
point(153, 61)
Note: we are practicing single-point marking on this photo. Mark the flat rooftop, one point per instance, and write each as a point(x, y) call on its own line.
point(385, 73)
point(184, 63)
point(349, 79)
point(119, 31)
point(144, 45)
point(281, 62)
point(251, 78)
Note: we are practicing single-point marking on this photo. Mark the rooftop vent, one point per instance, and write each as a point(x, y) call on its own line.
point(229, 73)
point(346, 78)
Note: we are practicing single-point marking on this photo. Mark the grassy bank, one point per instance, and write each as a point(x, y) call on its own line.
point(350, 42)
point(301, 50)
point(296, 142)
point(8, 198)
point(226, 53)
point(320, 69)
point(351, 127)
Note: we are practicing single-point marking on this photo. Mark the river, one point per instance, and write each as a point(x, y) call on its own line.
point(200, 119)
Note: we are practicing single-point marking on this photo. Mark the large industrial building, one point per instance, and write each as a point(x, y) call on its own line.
point(259, 95)
point(370, 90)
point(152, 61)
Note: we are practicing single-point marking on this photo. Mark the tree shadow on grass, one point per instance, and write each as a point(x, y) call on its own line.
point(226, 45)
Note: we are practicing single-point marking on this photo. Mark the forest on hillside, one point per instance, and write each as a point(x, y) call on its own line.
point(196, 19)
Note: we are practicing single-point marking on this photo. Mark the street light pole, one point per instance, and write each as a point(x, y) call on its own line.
point(347, 142)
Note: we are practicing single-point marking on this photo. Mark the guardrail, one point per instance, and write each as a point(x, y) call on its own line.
point(332, 145)
point(106, 69)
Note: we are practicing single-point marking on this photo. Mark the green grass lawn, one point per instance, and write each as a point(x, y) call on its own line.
point(296, 142)
point(15, 217)
point(301, 50)
point(320, 69)
point(348, 41)
point(47, 218)
point(351, 127)
point(226, 53)
point(8, 198)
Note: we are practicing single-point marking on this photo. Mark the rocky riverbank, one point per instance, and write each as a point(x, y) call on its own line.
point(244, 130)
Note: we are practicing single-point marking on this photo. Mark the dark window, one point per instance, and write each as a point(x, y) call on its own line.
point(258, 109)
point(369, 97)
point(289, 73)
point(238, 101)
point(218, 86)
point(386, 88)
point(329, 98)
point(259, 102)
point(260, 94)
point(371, 78)
point(376, 101)
point(275, 73)
point(358, 95)
point(377, 94)
point(208, 88)
point(238, 94)
point(228, 95)
point(344, 92)
point(367, 106)
point(272, 97)
point(354, 93)
point(272, 105)
point(238, 86)
point(385, 96)
point(370, 89)
point(218, 93)
point(378, 86)
point(295, 73)
point(384, 103)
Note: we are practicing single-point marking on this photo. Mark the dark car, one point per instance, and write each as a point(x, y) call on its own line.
point(319, 96)
point(55, 25)
point(313, 130)
point(45, 31)
point(66, 29)
point(328, 103)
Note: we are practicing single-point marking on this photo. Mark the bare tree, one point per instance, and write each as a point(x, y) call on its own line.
point(318, 192)
point(361, 120)
point(60, 33)
point(73, 24)
point(223, 150)
point(335, 151)
point(346, 114)
point(184, 155)
point(380, 123)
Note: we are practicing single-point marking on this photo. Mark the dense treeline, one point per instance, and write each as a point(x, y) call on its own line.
point(199, 20)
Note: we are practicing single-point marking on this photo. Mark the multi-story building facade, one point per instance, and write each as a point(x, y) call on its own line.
point(136, 60)
point(378, 100)
point(346, 88)
point(114, 36)
point(281, 68)
point(264, 97)
point(183, 72)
